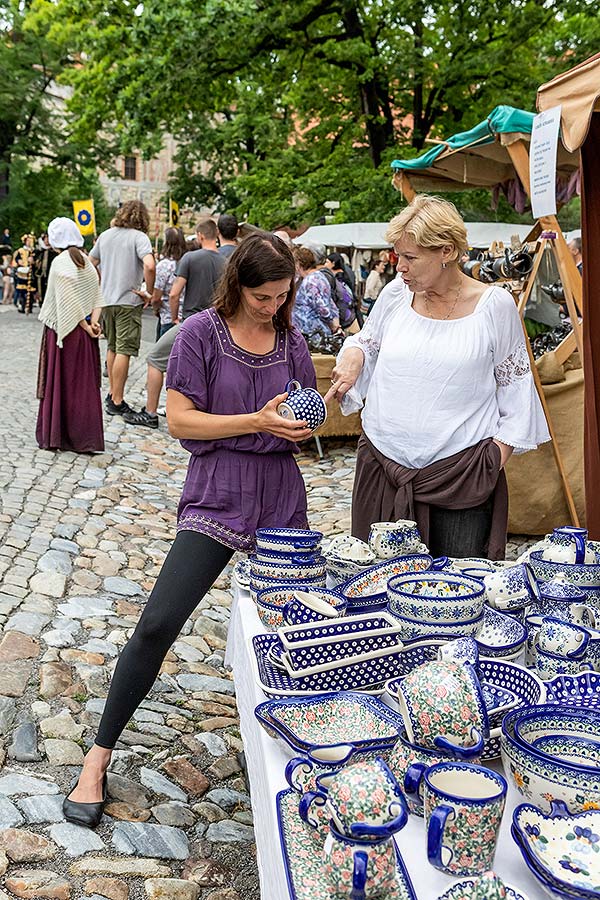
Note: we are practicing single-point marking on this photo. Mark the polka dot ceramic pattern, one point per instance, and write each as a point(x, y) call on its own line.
point(303, 862)
point(576, 690)
point(303, 404)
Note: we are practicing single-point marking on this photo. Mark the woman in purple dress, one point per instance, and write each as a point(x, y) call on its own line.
point(70, 413)
point(227, 374)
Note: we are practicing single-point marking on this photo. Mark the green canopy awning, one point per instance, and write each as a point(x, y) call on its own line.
point(478, 157)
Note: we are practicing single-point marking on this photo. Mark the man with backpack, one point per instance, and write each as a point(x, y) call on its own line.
point(341, 292)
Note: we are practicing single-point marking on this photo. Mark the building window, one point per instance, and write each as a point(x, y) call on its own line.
point(130, 169)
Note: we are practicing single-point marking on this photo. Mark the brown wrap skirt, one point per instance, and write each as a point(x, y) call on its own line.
point(385, 491)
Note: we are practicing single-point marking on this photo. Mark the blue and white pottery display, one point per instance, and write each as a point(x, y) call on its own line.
point(543, 779)
point(329, 631)
point(282, 556)
point(310, 658)
point(347, 718)
point(582, 575)
point(313, 606)
point(390, 539)
point(575, 690)
point(369, 588)
point(303, 404)
point(348, 547)
point(562, 600)
point(241, 572)
point(303, 859)
point(288, 571)
point(563, 638)
point(411, 629)
point(500, 635)
point(486, 887)
point(563, 847)
point(533, 624)
point(549, 665)
point(440, 596)
point(339, 571)
point(574, 749)
point(511, 587)
point(288, 540)
point(568, 544)
point(461, 650)
point(550, 720)
point(271, 601)
point(258, 584)
point(459, 564)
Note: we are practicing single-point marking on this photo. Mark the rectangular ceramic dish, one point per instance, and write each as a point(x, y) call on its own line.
point(343, 628)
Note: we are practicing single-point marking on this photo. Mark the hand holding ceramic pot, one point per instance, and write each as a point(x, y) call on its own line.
point(303, 404)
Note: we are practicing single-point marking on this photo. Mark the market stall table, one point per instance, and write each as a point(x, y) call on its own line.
point(266, 759)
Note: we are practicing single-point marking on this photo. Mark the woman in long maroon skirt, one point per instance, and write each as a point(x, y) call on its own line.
point(70, 414)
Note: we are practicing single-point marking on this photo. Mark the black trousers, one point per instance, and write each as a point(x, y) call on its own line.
point(460, 532)
point(193, 564)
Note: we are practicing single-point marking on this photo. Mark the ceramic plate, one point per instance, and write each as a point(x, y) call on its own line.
point(565, 848)
point(575, 690)
point(302, 857)
point(465, 890)
point(344, 718)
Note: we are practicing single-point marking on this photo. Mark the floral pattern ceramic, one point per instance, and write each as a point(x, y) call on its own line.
point(287, 539)
point(389, 539)
point(463, 823)
point(411, 629)
point(303, 858)
point(564, 638)
point(578, 750)
point(270, 602)
point(339, 855)
point(529, 725)
point(542, 779)
point(581, 575)
point(566, 848)
point(442, 597)
point(511, 587)
point(487, 887)
point(461, 650)
point(442, 699)
point(287, 571)
point(345, 718)
point(372, 584)
point(366, 794)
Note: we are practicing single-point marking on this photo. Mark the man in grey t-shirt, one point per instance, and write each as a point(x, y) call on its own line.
point(199, 272)
point(124, 257)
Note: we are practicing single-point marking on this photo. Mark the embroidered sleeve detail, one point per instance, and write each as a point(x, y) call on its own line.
point(513, 368)
point(368, 345)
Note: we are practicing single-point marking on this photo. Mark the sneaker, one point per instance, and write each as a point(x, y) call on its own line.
point(116, 410)
point(150, 420)
point(161, 411)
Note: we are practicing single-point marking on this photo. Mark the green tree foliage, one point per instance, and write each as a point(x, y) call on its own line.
point(279, 107)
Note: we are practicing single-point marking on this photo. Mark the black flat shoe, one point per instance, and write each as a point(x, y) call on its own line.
point(87, 815)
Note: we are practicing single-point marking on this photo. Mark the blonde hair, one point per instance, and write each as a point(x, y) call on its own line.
point(432, 223)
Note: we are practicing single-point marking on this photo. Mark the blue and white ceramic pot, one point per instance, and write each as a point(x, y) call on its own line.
point(303, 404)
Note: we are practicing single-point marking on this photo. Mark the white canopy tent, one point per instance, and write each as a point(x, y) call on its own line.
point(370, 235)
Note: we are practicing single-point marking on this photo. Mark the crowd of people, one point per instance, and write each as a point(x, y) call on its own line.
point(24, 272)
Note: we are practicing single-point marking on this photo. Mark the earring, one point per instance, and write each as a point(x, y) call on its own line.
point(444, 265)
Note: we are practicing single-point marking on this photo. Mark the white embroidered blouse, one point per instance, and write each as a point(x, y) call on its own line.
point(434, 387)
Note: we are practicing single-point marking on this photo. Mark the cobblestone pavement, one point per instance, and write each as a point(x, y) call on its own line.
point(82, 539)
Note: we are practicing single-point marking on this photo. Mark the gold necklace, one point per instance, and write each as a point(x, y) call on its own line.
point(452, 308)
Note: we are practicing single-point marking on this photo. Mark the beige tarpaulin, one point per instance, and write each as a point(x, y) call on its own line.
point(578, 92)
point(536, 496)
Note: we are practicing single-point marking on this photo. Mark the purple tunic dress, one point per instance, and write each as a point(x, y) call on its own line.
point(236, 485)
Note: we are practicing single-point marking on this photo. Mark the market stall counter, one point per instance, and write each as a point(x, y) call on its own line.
point(266, 759)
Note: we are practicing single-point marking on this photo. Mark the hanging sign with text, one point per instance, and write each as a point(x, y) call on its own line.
point(542, 162)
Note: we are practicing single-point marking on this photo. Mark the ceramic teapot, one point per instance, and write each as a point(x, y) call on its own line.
point(568, 544)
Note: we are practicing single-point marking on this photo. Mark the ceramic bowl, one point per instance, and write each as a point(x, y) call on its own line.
point(574, 749)
point(575, 690)
point(339, 571)
point(459, 564)
point(500, 635)
point(550, 721)
point(347, 547)
point(370, 586)
point(313, 606)
point(542, 779)
point(511, 587)
point(582, 575)
point(271, 601)
point(282, 556)
point(441, 596)
point(549, 665)
point(287, 539)
point(413, 629)
point(561, 847)
point(288, 571)
point(483, 888)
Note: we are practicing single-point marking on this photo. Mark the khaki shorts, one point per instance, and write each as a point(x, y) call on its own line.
point(158, 357)
point(122, 326)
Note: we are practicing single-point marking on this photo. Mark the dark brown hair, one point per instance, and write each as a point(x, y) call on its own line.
point(259, 258)
point(174, 245)
point(133, 214)
point(77, 257)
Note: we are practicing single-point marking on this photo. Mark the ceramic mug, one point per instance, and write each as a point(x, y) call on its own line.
point(549, 665)
point(464, 804)
point(366, 867)
point(568, 544)
point(514, 586)
point(303, 404)
point(563, 638)
point(443, 707)
point(462, 650)
point(389, 539)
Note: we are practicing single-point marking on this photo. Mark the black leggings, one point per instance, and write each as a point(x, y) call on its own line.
point(460, 532)
point(192, 566)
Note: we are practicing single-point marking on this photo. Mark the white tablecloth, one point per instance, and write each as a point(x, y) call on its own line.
point(266, 759)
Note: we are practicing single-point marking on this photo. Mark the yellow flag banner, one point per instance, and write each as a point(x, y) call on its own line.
point(83, 213)
point(173, 213)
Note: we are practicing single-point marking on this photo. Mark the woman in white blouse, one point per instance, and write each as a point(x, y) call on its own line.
point(443, 371)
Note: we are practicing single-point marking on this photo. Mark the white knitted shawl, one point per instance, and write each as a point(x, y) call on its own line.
point(71, 295)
